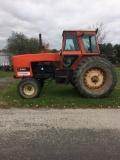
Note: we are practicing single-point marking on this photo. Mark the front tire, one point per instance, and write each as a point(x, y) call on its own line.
point(29, 88)
point(95, 77)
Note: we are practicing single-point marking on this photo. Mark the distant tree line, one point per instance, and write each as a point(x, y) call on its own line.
point(111, 52)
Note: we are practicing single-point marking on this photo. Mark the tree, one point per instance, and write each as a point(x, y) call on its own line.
point(117, 51)
point(115, 60)
point(33, 45)
point(54, 50)
point(110, 52)
point(18, 43)
point(46, 47)
point(103, 50)
point(107, 51)
point(102, 33)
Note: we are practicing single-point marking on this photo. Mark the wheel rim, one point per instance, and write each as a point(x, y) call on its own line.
point(94, 78)
point(29, 89)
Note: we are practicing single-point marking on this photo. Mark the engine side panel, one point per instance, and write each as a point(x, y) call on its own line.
point(22, 63)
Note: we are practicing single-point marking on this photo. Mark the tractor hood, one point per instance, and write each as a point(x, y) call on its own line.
point(22, 63)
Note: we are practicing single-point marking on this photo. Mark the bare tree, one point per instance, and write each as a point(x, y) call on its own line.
point(102, 33)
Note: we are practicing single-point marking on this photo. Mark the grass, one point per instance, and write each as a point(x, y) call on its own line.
point(6, 74)
point(57, 96)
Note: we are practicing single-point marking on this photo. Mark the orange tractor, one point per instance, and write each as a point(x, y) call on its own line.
point(78, 63)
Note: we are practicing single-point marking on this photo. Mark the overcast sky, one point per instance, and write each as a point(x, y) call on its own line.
point(51, 17)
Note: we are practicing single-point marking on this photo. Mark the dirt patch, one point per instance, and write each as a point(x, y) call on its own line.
point(4, 81)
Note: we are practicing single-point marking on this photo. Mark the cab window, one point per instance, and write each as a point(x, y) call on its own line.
point(68, 60)
point(89, 43)
point(71, 43)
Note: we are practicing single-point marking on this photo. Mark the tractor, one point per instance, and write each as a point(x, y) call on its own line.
point(79, 63)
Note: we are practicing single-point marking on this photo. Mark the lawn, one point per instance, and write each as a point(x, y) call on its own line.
point(58, 96)
point(6, 74)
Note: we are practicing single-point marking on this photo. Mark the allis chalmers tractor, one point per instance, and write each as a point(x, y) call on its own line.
point(78, 63)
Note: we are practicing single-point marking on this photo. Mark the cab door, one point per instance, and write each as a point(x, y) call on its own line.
point(71, 50)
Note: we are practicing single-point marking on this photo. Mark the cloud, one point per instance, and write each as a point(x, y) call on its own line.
point(51, 17)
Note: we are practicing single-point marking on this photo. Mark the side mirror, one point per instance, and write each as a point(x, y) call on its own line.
point(82, 34)
point(96, 31)
point(60, 52)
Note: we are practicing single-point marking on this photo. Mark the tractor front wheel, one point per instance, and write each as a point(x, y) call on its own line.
point(95, 77)
point(29, 88)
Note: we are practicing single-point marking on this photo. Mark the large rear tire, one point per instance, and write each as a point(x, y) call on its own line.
point(95, 77)
point(29, 88)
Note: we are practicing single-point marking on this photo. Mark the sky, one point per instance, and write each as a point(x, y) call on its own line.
point(51, 17)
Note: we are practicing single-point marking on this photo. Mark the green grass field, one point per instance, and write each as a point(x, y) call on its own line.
point(57, 96)
point(6, 74)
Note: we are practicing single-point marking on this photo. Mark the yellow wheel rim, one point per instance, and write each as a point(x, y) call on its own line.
point(94, 78)
point(29, 89)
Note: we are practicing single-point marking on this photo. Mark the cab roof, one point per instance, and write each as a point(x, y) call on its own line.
point(82, 30)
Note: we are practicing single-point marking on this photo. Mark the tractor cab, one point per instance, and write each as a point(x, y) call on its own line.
point(77, 45)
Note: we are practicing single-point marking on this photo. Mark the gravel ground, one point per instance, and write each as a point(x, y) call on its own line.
point(4, 81)
point(28, 119)
point(68, 134)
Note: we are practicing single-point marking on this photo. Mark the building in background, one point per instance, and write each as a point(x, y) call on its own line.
point(4, 59)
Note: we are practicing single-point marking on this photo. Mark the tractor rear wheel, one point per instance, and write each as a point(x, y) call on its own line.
point(72, 83)
point(95, 77)
point(29, 88)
